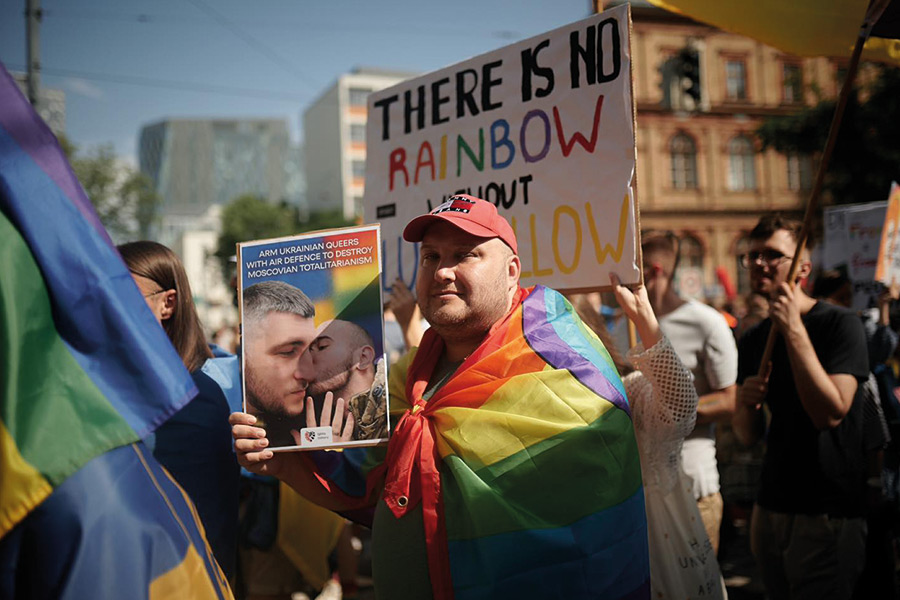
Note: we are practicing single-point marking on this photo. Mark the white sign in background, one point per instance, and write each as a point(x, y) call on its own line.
point(543, 128)
point(852, 239)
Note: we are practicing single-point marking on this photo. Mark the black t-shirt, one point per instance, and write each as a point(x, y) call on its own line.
point(807, 471)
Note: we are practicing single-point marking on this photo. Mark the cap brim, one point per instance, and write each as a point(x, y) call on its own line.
point(415, 229)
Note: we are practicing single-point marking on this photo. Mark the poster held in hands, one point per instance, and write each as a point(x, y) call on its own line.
point(543, 128)
point(312, 343)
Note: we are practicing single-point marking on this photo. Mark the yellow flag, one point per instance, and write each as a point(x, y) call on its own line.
point(800, 27)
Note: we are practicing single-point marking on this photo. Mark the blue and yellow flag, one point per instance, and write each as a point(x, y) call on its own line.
point(86, 372)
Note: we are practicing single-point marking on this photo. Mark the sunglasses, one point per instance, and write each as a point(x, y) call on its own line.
point(771, 258)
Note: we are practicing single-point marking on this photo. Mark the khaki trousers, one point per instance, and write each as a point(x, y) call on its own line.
point(807, 557)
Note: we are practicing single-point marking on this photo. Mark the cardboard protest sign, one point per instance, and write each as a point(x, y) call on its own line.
point(312, 344)
point(543, 128)
point(852, 243)
point(888, 269)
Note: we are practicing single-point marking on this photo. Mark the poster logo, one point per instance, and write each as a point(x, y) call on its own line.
point(313, 437)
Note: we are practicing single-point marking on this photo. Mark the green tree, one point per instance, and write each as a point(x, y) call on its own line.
point(138, 194)
point(325, 220)
point(866, 156)
point(124, 198)
point(250, 217)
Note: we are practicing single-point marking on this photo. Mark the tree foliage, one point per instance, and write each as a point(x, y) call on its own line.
point(325, 220)
point(250, 217)
point(866, 156)
point(123, 197)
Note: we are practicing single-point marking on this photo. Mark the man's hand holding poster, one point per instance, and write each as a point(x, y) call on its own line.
point(312, 342)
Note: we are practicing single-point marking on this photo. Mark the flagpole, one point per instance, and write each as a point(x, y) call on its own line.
point(874, 11)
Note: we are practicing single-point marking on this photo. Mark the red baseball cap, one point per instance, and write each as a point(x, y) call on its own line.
point(473, 215)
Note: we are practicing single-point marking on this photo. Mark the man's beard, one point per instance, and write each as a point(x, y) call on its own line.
point(334, 381)
point(264, 399)
point(474, 319)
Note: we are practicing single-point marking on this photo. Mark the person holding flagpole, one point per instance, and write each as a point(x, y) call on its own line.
point(807, 531)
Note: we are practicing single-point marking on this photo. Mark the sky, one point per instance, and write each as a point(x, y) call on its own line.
point(124, 64)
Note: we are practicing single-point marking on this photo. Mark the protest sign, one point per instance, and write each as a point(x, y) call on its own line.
point(852, 240)
point(888, 268)
point(311, 323)
point(543, 128)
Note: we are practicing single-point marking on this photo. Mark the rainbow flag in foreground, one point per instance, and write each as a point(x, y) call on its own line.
point(526, 461)
point(86, 372)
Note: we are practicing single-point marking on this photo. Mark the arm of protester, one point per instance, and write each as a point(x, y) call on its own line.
point(717, 406)
point(636, 305)
point(253, 453)
point(748, 421)
point(670, 406)
point(341, 417)
point(405, 308)
point(884, 307)
point(825, 397)
point(720, 366)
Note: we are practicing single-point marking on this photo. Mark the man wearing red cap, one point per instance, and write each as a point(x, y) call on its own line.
point(469, 271)
point(512, 468)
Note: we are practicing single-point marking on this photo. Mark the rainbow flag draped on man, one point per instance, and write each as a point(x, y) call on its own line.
point(86, 372)
point(525, 463)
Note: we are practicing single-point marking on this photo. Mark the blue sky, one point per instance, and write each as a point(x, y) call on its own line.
point(127, 63)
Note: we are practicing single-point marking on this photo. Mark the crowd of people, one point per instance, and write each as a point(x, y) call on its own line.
point(529, 453)
point(816, 404)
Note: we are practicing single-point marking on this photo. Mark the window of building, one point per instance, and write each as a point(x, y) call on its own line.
point(358, 208)
point(358, 96)
point(683, 152)
point(799, 172)
point(735, 79)
point(690, 252)
point(791, 83)
point(359, 168)
point(357, 132)
point(741, 164)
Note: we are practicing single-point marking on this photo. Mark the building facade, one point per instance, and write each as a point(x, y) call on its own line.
point(211, 292)
point(198, 163)
point(334, 131)
point(700, 170)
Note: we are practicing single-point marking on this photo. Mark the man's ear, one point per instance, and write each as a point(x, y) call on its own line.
point(366, 358)
point(168, 308)
point(514, 268)
point(803, 270)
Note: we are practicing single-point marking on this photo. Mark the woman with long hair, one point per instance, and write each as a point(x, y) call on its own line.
point(195, 443)
point(160, 276)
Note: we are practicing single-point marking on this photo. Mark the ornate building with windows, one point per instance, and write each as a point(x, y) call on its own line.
point(700, 171)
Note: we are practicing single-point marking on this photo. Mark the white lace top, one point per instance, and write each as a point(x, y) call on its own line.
point(664, 410)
